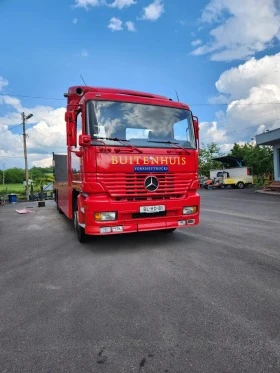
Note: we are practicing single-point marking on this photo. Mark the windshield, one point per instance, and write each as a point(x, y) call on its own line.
point(140, 125)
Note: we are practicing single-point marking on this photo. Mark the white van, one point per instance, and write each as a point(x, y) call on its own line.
point(237, 177)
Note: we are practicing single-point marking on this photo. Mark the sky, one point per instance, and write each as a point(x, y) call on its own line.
point(221, 57)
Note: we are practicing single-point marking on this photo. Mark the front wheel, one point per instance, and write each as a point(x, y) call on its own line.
point(240, 185)
point(80, 231)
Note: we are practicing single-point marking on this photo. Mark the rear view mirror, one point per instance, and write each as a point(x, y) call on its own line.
point(196, 130)
point(196, 126)
point(70, 116)
point(70, 119)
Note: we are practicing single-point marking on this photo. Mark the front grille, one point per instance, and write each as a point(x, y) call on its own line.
point(130, 186)
point(135, 184)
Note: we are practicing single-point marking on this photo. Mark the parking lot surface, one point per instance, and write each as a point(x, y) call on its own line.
point(204, 299)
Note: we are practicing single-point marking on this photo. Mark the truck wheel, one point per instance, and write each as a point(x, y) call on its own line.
point(240, 185)
point(79, 230)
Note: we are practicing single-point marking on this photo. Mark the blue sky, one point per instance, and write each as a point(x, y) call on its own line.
point(221, 56)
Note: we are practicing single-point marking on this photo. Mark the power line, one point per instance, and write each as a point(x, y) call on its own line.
point(17, 125)
point(251, 104)
point(6, 156)
point(12, 127)
point(36, 97)
point(194, 104)
point(256, 125)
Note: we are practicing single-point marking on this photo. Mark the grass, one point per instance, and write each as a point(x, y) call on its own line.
point(18, 189)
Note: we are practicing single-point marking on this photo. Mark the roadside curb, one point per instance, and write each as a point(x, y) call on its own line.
point(268, 192)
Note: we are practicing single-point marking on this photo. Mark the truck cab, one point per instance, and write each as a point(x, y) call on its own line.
point(132, 162)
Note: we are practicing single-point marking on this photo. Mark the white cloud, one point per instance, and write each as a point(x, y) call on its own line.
point(11, 101)
point(252, 94)
point(241, 29)
point(44, 162)
point(183, 22)
point(153, 11)
point(75, 20)
point(130, 26)
point(219, 99)
point(196, 42)
point(87, 3)
point(122, 3)
point(115, 24)
point(256, 109)
point(210, 132)
point(237, 81)
point(84, 53)
point(3, 83)
point(47, 134)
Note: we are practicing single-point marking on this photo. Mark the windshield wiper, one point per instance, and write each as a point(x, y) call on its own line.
point(172, 143)
point(124, 142)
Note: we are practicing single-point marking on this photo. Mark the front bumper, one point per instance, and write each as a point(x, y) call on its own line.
point(131, 220)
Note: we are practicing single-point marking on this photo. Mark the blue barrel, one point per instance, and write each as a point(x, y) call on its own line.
point(12, 198)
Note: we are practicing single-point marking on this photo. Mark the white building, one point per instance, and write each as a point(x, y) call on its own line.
point(272, 138)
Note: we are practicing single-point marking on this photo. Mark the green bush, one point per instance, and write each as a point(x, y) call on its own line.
point(18, 189)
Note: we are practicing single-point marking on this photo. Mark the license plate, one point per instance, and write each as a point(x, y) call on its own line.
point(117, 228)
point(152, 209)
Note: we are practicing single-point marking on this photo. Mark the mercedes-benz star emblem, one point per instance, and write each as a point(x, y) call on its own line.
point(151, 183)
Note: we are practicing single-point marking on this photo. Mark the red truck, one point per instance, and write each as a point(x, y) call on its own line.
point(131, 163)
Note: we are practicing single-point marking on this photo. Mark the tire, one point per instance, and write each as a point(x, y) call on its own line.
point(222, 186)
point(240, 185)
point(80, 231)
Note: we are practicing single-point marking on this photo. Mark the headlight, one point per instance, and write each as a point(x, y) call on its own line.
point(189, 210)
point(105, 216)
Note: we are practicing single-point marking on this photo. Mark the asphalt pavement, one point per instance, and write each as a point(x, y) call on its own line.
point(203, 299)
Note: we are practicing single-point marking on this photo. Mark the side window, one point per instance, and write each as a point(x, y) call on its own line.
point(183, 132)
point(278, 153)
point(79, 126)
point(179, 130)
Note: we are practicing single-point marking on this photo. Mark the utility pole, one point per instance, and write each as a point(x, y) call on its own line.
point(4, 175)
point(24, 118)
point(4, 165)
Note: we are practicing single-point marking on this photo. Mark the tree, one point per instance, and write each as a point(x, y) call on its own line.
point(207, 152)
point(17, 175)
point(37, 172)
point(14, 176)
point(259, 158)
point(41, 181)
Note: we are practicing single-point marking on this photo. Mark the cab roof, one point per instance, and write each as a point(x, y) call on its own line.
point(117, 91)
